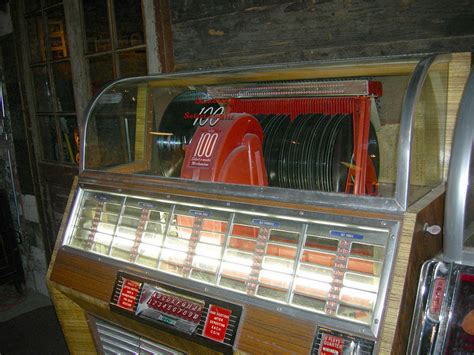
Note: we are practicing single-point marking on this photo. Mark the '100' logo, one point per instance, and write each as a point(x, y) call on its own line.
point(206, 145)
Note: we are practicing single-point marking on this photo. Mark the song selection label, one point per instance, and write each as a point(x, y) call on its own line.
point(193, 240)
point(95, 222)
point(262, 240)
point(339, 269)
point(144, 216)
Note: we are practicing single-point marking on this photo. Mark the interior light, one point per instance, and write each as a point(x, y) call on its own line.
point(173, 256)
point(176, 244)
point(106, 228)
point(208, 250)
point(204, 263)
point(238, 257)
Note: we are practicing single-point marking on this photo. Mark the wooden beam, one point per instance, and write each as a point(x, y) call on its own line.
point(164, 35)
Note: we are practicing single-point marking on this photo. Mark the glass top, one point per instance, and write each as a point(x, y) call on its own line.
point(308, 129)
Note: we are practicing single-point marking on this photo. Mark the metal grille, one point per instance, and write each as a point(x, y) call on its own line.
point(116, 340)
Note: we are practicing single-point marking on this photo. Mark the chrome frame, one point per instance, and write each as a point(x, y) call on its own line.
point(396, 204)
point(427, 335)
point(405, 137)
point(421, 319)
point(391, 228)
point(448, 305)
point(458, 180)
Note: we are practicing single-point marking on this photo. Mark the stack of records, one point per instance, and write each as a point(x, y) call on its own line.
point(274, 127)
point(312, 152)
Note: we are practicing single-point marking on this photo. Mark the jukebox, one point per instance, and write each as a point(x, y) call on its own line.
point(443, 322)
point(257, 210)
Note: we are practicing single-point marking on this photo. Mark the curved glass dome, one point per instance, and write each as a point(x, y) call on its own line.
point(313, 128)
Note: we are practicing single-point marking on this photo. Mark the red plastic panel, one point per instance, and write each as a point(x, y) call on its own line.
point(229, 151)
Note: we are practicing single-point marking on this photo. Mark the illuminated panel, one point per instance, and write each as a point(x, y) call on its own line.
point(312, 266)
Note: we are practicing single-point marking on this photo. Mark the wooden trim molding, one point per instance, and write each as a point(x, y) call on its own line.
point(164, 35)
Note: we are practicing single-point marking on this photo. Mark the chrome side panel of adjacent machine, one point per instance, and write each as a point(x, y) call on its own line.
point(459, 192)
point(443, 321)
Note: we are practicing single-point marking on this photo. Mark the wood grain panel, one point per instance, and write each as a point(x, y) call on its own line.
point(423, 247)
point(164, 34)
point(265, 332)
point(356, 67)
point(98, 308)
point(459, 69)
point(140, 123)
point(74, 324)
point(224, 34)
point(414, 248)
point(84, 275)
point(90, 284)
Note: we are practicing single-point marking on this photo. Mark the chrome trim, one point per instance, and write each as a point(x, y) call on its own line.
point(458, 178)
point(73, 215)
point(375, 225)
point(405, 136)
point(113, 339)
point(301, 197)
point(424, 330)
point(371, 227)
point(449, 304)
point(385, 277)
point(428, 335)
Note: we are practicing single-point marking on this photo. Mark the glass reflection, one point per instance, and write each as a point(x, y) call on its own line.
point(57, 36)
point(43, 94)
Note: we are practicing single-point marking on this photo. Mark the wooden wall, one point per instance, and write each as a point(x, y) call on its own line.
point(214, 34)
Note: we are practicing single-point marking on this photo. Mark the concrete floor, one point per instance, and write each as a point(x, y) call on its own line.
point(28, 324)
point(13, 304)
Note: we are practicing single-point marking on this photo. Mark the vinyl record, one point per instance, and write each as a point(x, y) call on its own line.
point(283, 156)
point(266, 122)
point(175, 132)
point(343, 153)
point(296, 143)
point(316, 145)
point(324, 152)
point(301, 166)
point(280, 124)
point(311, 152)
point(328, 154)
point(338, 120)
point(303, 157)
